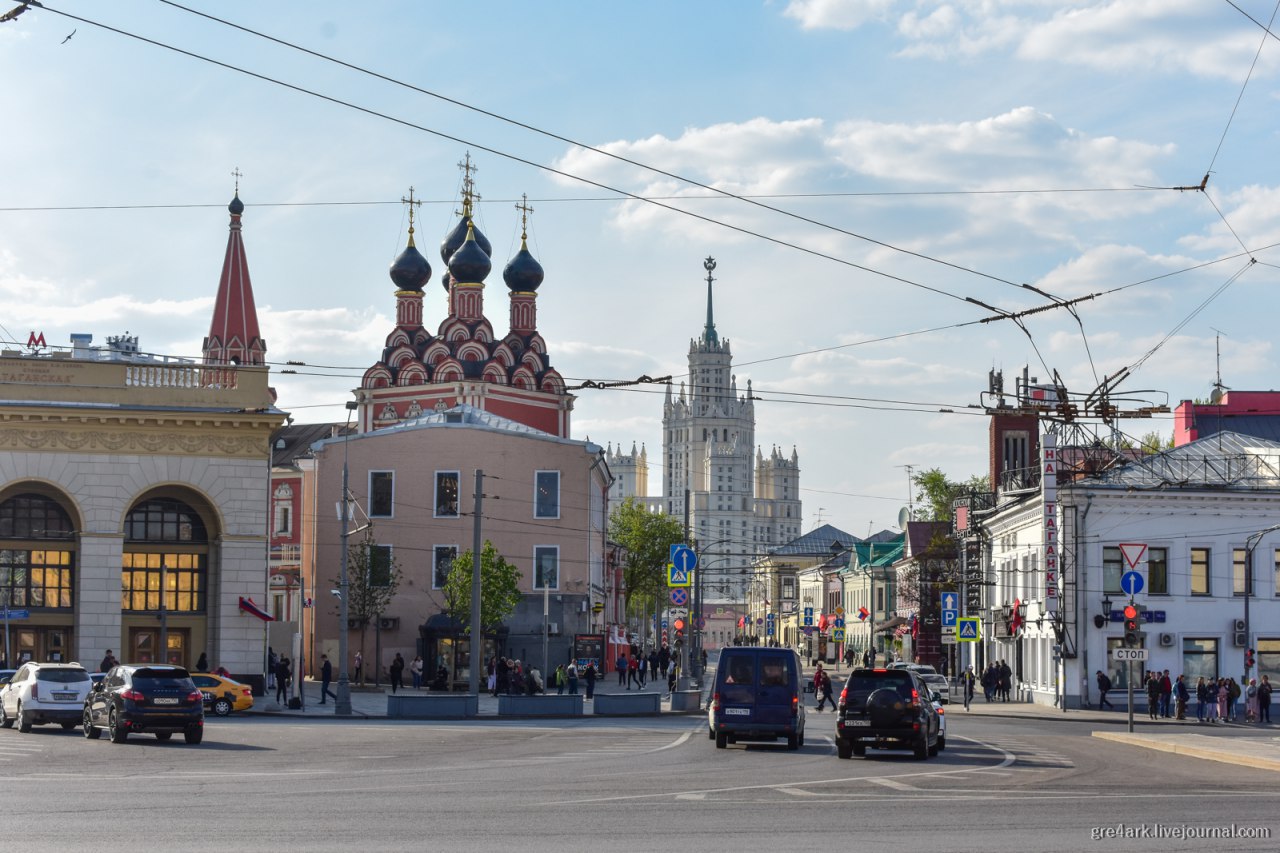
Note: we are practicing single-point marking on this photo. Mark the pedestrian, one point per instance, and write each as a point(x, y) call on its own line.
point(822, 686)
point(1264, 701)
point(673, 675)
point(1202, 700)
point(641, 669)
point(1251, 701)
point(590, 674)
point(359, 667)
point(282, 680)
point(1211, 701)
point(1166, 693)
point(1224, 696)
point(533, 681)
point(397, 672)
point(1233, 698)
point(968, 684)
point(326, 678)
point(559, 678)
point(1104, 684)
point(622, 670)
point(202, 665)
point(1006, 681)
point(653, 665)
point(502, 680)
point(633, 667)
point(108, 661)
point(664, 659)
point(1181, 695)
point(492, 670)
point(571, 672)
point(1153, 695)
point(415, 672)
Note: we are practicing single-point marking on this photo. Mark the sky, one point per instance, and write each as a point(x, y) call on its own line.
point(890, 174)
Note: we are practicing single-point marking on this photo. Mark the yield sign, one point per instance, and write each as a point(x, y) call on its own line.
point(1133, 552)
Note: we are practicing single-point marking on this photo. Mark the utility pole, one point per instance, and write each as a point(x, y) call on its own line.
point(477, 638)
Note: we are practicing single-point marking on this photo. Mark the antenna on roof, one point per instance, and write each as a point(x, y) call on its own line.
point(1216, 397)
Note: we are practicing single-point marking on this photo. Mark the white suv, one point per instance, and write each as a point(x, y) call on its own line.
point(41, 693)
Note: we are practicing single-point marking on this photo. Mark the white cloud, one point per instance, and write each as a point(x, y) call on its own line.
point(837, 14)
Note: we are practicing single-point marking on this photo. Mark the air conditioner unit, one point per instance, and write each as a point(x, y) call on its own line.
point(553, 629)
point(1241, 639)
point(1239, 627)
point(355, 624)
point(1166, 639)
point(388, 623)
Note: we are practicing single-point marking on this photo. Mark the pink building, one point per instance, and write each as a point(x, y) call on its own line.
point(1255, 413)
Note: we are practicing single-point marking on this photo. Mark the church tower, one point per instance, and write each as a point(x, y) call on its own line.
point(233, 335)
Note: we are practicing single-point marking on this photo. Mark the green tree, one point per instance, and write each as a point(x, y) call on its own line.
point(937, 493)
point(499, 588)
point(646, 538)
point(373, 576)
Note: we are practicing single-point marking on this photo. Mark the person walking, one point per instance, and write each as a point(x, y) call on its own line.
point(1166, 693)
point(359, 667)
point(1006, 681)
point(397, 672)
point(558, 678)
point(968, 685)
point(621, 666)
point(202, 665)
point(653, 665)
point(326, 678)
point(664, 660)
point(415, 672)
point(571, 672)
point(822, 686)
point(282, 680)
point(632, 667)
point(272, 662)
point(1153, 695)
point(589, 673)
point(1181, 695)
point(641, 669)
point(1264, 701)
point(1104, 685)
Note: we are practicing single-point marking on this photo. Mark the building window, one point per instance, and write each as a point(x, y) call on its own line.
point(1112, 570)
point(546, 494)
point(1199, 660)
point(546, 567)
point(442, 564)
point(789, 588)
point(1120, 669)
point(284, 519)
point(1269, 659)
point(379, 566)
point(1158, 571)
point(1238, 570)
point(446, 494)
point(1275, 558)
point(166, 553)
point(36, 578)
point(382, 487)
point(1200, 571)
point(277, 606)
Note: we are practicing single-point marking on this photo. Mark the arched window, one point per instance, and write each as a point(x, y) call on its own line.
point(32, 574)
point(166, 544)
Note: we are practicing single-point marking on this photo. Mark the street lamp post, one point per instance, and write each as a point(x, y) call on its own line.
point(342, 706)
point(1250, 545)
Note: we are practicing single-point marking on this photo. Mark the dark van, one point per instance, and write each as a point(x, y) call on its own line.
point(756, 696)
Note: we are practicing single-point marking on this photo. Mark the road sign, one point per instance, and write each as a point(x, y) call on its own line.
point(968, 629)
point(677, 576)
point(700, 623)
point(839, 621)
point(1133, 552)
point(1129, 654)
point(808, 616)
point(949, 639)
point(837, 635)
point(15, 614)
point(769, 616)
point(950, 601)
point(1132, 583)
point(949, 618)
point(679, 596)
point(839, 611)
point(683, 558)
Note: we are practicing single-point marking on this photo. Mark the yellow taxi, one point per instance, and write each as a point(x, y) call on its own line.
point(222, 695)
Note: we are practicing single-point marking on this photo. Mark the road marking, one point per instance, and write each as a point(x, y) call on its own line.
point(892, 783)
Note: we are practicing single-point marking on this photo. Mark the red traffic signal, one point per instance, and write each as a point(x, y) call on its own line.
point(1248, 658)
point(1130, 612)
point(679, 623)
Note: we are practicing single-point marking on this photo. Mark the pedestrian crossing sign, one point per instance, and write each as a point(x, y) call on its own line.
point(967, 629)
point(837, 635)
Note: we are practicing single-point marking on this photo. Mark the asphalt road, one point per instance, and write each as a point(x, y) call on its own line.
point(633, 785)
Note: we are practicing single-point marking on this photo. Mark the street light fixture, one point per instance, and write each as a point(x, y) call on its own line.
point(342, 705)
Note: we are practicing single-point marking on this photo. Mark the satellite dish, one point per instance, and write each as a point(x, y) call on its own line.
point(904, 515)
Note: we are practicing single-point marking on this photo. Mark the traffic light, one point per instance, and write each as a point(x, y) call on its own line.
point(1132, 626)
point(1248, 659)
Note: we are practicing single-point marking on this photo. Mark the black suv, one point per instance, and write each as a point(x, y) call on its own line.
point(153, 698)
point(886, 709)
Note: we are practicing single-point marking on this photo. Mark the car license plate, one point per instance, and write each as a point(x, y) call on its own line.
point(64, 697)
point(857, 722)
point(166, 700)
point(738, 711)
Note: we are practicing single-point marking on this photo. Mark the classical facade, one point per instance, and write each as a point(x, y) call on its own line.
point(132, 490)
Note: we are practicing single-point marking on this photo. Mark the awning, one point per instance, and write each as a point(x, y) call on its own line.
point(247, 605)
point(891, 624)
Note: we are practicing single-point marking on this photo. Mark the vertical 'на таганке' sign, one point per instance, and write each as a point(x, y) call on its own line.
point(1049, 496)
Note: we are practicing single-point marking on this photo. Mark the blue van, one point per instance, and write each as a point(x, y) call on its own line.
point(757, 696)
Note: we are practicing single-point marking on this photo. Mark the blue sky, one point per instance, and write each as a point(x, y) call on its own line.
point(1006, 137)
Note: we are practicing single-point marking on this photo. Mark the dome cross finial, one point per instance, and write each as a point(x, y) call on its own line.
point(412, 202)
point(469, 194)
point(525, 210)
point(709, 331)
point(237, 174)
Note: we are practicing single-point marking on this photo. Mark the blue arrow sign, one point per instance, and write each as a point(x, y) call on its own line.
point(949, 600)
point(1132, 583)
point(683, 558)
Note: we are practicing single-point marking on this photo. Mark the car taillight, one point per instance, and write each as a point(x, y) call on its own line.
point(35, 690)
point(133, 695)
point(247, 691)
point(915, 698)
point(715, 701)
point(195, 696)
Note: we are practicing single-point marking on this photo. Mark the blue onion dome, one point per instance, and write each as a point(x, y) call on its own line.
point(470, 263)
point(455, 238)
point(446, 280)
point(410, 270)
point(523, 273)
point(237, 206)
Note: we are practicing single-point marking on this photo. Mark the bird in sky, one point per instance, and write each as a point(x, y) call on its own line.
point(68, 38)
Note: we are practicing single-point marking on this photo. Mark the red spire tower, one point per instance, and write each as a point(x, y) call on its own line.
point(233, 334)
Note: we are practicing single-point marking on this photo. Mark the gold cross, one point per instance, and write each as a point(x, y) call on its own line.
point(237, 174)
point(412, 202)
point(469, 194)
point(525, 210)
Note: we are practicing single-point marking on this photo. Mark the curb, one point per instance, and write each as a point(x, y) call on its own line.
point(1193, 751)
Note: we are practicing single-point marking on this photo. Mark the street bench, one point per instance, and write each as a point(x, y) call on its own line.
point(432, 706)
point(686, 700)
point(628, 704)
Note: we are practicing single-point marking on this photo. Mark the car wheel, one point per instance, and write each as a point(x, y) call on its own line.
point(793, 741)
point(711, 733)
point(933, 750)
point(942, 742)
point(722, 740)
point(117, 731)
point(222, 707)
point(802, 737)
point(66, 727)
point(922, 747)
point(24, 720)
point(844, 749)
point(5, 720)
point(163, 735)
point(194, 735)
point(89, 731)
point(860, 750)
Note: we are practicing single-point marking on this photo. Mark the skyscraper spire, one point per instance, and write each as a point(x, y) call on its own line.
point(709, 331)
point(233, 334)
